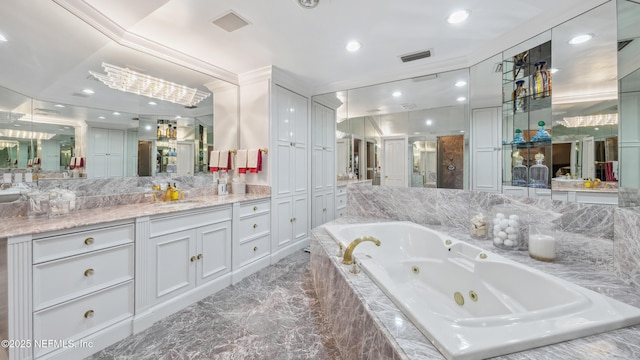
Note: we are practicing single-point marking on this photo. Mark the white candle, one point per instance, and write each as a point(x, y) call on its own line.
point(542, 247)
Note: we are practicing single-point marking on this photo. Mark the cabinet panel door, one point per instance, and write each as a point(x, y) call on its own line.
point(330, 205)
point(301, 122)
point(300, 169)
point(329, 164)
point(301, 216)
point(173, 271)
point(329, 128)
point(99, 166)
point(116, 142)
point(283, 170)
point(100, 141)
point(214, 251)
point(318, 209)
point(317, 125)
point(115, 165)
point(284, 114)
point(319, 170)
point(281, 229)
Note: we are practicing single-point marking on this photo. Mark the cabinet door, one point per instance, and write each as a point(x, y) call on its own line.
point(299, 110)
point(301, 218)
point(330, 206)
point(171, 265)
point(300, 168)
point(318, 209)
point(329, 164)
point(319, 169)
point(283, 172)
point(284, 114)
point(283, 218)
point(486, 150)
point(214, 251)
point(100, 141)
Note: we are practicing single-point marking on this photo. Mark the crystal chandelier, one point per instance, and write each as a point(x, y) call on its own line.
point(125, 79)
point(590, 120)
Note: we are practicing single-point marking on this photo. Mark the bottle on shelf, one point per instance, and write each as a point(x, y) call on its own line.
point(519, 97)
point(540, 81)
point(539, 173)
point(520, 172)
point(542, 134)
point(159, 132)
point(168, 132)
point(174, 132)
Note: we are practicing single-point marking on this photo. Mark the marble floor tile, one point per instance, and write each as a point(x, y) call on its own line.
point(272, 314)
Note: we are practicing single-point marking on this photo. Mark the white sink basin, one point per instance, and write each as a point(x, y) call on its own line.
point(9, 195)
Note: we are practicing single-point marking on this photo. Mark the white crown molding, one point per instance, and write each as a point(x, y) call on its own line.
point(220, 85)
point(106, 26)
point(255, 76)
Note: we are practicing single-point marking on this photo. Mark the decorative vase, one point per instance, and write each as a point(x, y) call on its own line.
point(517, 139)
point(542, 134)
point(520, 172)
point(519, 97)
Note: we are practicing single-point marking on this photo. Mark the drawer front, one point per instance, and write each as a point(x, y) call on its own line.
point(341, 212)
point(83, 316)
point(56, 247)
point(252, 250)
point(254, 226)
point(253, 208)
point(188, 220)
point(341, 190)
point(341, 201)
point(62, 280)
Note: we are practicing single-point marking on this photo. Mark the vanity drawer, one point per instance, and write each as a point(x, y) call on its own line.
point(253, 226)
point(341, 190)
point(341, 212)
point(55, 247)
point(62, 280)
point(83, 316)
point(341, 201)
point(251, 250)
point(253, 208)
point(167, 224)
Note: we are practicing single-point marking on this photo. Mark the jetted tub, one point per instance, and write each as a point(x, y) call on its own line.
point(471, 303)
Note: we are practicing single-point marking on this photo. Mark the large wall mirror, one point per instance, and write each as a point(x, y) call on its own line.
point(585, 102)
point(629, 86)
point(411, 132)
point(71, 112)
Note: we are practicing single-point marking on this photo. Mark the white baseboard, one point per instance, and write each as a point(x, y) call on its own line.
point(284, 252)
point(249, 269)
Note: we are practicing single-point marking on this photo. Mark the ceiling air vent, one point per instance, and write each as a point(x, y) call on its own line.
point(623, 43)
point(416, 56)
point(80, 95)
point(408, 106)
point(41, 111)
point(230, 22)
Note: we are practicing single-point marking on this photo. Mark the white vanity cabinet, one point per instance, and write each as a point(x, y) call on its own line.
point(323, 177)
point(82, 285)
point(251, 237)
point(184, 251)
point(341, 201)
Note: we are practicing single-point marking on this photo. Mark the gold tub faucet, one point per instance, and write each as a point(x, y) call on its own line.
point(348, 254)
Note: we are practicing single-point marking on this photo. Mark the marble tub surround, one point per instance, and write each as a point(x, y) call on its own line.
point(627, 245)
point(574, 263)
point(272, 314)
point(23, 226)
point(628, 197)
point(455, 208)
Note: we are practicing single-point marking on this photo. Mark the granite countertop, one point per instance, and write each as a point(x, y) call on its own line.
point(582, 260)
point(577, 185)
point(25, 226)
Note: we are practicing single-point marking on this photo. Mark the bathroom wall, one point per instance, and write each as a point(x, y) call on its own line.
point(455, 208)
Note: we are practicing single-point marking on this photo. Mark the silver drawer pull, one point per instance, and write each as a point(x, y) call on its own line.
point(255, 208)
point(89, 241)
point(89, 314)
point(88, 272)
point(255, 226)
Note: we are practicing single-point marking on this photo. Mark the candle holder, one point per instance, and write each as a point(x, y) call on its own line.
point(543, 242)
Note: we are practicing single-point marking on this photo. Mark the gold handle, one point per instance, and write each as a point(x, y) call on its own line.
point(255, 248)
point(192, 259)
point(255, 208)
point(255, 226)
point(88, 314)
point(89, 241)
point(199, 256)
point(88, 272)
point(291, 220)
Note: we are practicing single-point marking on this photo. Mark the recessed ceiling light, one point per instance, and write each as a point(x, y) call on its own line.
point(292, 110)
point(116, 113)
point(458, 17)
point(461, 98)
point(88, 91)
point(2, 38)
point(429, 122)
point(101, 117)
point(580, 39)
point(16, 125)
point(308, 4)
point(461, 131)
point(67, 128)
point(152, 103)
point(178, 117)
point(554, 70)
point(353, 46)
point(461, 83)
point(148, 127)
point(397, 94)
point(596, 129)
point(59, 105)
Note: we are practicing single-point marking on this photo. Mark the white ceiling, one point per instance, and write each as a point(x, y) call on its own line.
point(52, 44)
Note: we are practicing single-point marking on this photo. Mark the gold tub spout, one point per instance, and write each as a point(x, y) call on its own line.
point(348, 254)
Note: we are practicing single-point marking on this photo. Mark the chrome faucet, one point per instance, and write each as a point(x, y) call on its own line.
point(348, 254)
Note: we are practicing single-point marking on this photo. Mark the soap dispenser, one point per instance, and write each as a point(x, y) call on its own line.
point(175, 194)
point(167, 193)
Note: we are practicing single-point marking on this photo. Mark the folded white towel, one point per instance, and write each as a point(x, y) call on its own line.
point(214, 160)
point(224, 159)
point(252, 158)
point(241, 159)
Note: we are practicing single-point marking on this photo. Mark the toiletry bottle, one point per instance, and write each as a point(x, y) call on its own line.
point(168, 132)
point(167, 193)
point(174, 133)
point(159, 132)
point(175, 194)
